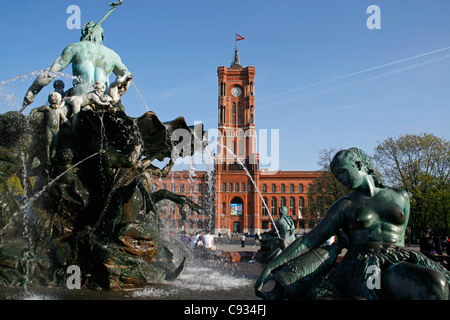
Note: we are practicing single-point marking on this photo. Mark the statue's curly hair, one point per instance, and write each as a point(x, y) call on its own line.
point(97, 36)
point(352, 156)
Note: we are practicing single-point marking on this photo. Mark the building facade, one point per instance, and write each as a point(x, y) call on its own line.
point(238, 196)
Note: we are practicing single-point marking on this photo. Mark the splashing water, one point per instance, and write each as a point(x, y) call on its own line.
point(30, 201)
point(200, 280)
point(208, 278)
point(9, 98)
point(210, 184)
point(205, 280)
point(28, 230)
point(141, 96)
point(34, 74)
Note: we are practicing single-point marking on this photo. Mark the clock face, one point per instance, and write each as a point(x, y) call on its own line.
point(236, 91)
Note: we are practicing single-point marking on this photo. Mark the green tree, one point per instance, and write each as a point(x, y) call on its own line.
point(325, 189)
point(420, 164)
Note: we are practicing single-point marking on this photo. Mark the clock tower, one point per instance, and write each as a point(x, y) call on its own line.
point(236, 157)
point(236, 116)
point(247, 198)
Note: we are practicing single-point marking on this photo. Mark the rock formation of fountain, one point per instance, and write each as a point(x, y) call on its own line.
point(75, 185)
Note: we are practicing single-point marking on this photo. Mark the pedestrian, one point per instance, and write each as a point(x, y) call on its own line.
point(194, 240)
point(208, 241)
point(429, 244)
point(199, 242)
point(243, 241)
point(257, 237)
point(448, 246)
point(185, 238)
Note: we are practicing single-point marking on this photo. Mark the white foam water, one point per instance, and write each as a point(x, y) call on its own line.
point(208, 279)
point(200, 281)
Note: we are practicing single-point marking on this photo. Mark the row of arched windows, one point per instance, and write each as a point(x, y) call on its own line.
point(181, 188)
point(295, 207)
point(248, 115)
point(282, 188)
point(236, 187)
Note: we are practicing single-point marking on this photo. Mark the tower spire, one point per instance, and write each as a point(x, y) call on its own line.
point(237, 62)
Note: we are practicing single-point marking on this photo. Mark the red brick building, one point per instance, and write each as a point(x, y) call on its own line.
point(229, 193)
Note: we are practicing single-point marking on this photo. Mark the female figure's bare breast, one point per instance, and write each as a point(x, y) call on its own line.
point(381, 218)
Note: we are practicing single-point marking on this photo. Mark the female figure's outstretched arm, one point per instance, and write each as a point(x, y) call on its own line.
point(328, 226)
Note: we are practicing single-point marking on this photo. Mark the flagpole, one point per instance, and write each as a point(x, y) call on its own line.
point(114, 7)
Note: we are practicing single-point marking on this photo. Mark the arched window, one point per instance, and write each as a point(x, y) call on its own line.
point(224, 187)
point(263, 206)
point(221, 114)
point(222, 89)
point(274, 188)
point(181, 187)
point(292, 205)
point(236, 187)
point(249, 187)
point(310, 202)
point(239, 113)
point(301, 203)
point(243, 187)
point(273, 206)
point(300, 188)
point(241, 146)
point(291, 188)
point(264, 188)
point(282, 202)
point(230, 187)
point(282, 189)
point(233, 110)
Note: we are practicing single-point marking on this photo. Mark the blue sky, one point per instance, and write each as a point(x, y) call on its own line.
point(322, 77)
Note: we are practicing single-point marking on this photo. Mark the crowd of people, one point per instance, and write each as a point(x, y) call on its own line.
point(206, 240)
point(433, 247)
point(199, 240)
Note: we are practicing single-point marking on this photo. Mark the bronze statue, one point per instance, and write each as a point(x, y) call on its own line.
point(86, 189)
point(53, 117)
point(91, 62)
point(279, 237)
point(377, 266)
point(286, 227)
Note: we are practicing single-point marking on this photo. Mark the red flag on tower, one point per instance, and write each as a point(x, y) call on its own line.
point(239, 37)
